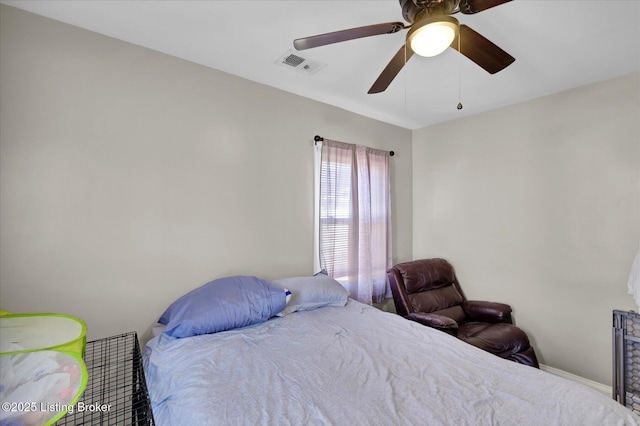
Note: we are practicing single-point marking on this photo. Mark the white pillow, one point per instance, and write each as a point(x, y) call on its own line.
point(308, 293)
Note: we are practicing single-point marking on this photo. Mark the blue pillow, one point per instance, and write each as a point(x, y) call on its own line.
point(223, 304)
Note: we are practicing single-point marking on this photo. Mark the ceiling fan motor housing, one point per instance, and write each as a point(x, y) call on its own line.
point(412, 8)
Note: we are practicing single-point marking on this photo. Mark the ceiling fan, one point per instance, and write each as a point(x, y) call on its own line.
point(431, 31)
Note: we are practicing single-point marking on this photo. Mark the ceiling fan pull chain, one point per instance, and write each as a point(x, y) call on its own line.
point(404, 74)
point(459, 106)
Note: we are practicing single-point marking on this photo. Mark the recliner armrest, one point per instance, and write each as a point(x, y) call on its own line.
point(478, 310)
point(436, 321)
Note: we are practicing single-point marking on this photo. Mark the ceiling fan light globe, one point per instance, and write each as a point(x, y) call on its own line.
point(432, 36)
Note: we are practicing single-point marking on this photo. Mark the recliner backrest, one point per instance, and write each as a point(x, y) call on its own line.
point(427, 285)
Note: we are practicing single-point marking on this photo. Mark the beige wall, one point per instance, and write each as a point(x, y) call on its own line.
point(538, 205)
point(129, 177)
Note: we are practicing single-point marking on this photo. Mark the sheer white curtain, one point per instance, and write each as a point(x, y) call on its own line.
point(354, 218)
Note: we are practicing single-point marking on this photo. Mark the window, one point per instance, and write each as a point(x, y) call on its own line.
point(354, 228)
point(335, 213)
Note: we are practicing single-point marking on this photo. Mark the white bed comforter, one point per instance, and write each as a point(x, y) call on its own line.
point(356, 365)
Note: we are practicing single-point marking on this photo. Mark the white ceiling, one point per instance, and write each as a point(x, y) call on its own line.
point(557, 45)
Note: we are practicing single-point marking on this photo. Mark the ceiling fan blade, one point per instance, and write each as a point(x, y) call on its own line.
point(345, 35)
point(469, 7)
point(482, 51)
point(391, 70)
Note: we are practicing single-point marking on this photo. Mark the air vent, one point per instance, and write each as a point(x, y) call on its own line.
point(293, 60)
point(300, 63)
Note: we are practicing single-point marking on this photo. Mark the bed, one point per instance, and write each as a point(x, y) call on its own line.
point(328, 360)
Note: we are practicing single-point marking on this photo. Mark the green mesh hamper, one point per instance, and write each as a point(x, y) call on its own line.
point(42, 372)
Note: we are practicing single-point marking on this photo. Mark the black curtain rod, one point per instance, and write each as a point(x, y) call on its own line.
point(317, 139)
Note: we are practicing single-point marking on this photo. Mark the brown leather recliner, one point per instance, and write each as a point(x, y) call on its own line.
point(427, 291)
